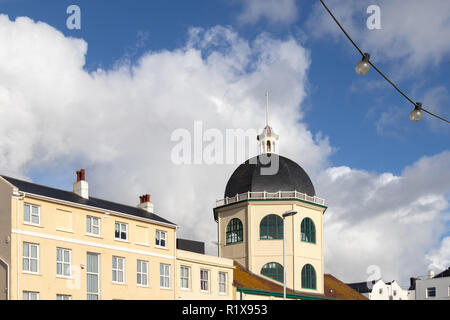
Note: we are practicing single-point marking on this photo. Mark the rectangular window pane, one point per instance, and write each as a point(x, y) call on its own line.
point(26, 213)
point(92, 276)
point(118, 269)
point(164, 275)
point(88, 224)
point(35, 219)
point(26, 248)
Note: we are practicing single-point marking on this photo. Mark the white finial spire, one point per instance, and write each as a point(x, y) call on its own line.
point(267, 107)
point(268, 137)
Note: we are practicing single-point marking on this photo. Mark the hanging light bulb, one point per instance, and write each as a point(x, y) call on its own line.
point(363, 66)
point(416, 114)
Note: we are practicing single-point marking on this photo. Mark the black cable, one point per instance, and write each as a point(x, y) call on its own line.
point(378, 70)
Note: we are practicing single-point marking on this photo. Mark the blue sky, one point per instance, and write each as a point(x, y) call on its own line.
point(348, 131)
point(338, 106)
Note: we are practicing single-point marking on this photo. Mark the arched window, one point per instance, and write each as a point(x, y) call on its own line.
point(268, 146)
point(271, 227)
point(308, 277)
point(273, 270)
point(308, 231)
point(234, 231)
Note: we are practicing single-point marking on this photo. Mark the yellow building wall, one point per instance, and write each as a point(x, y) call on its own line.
point(64, 226)
point(6, 191)
point(235, 251)
point(257, 252)
point(214, 265)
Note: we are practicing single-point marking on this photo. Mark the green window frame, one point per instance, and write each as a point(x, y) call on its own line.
point(308, 231)
point(308, 277)
point(271, 228)
point(273, 270)
point(234, 232)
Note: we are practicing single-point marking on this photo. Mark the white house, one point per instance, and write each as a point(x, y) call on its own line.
point(380, 290)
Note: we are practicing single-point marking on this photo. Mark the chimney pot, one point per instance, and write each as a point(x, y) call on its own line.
point(80, 187)
point(81, 175)
point(145, 203)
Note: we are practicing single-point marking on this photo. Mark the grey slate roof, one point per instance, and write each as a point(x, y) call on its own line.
point(249, 177)
point(361, 287)
point(45, 191)
point(191, 245)
point(443, 274)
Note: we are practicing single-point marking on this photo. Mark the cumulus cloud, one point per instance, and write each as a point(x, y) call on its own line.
point(413, 33)
point(56, 117)
point(273, 11)
point(439, 258)
point(386, 220)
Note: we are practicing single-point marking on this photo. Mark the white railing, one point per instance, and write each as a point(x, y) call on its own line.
point(271, 196)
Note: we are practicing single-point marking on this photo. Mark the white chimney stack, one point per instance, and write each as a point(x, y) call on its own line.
point(145, 203)
point(431, 273)
point(81, 187)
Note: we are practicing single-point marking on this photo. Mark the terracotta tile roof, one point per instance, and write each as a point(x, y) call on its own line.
point(334, 288)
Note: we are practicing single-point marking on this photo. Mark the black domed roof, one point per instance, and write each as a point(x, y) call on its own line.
point(255, 175)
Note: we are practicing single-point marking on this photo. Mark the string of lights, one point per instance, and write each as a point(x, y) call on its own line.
point(363, 67)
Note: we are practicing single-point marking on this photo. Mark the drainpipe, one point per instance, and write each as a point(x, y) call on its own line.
point(175, 265)
point(18, 198)
point(7, 278)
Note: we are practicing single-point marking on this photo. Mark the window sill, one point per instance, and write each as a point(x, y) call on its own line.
point(161, 247)
point(119, 283)
point(142, 286)
point(303, 241)
point(94, 235)
point(164, 288)
point(64, 277)
point(142, 244)
point(32, 224)
point(32, 273)
point(230, 244)
point(63, 230)
point(121, 240)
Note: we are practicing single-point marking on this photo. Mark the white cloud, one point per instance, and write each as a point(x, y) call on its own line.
point(439, 258)
point(55, 117)
point(386, 220)
point(274, 11)
point(413, 34)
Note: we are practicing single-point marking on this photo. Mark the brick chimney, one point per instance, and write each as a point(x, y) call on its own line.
point(145, 203)
point(80, 187)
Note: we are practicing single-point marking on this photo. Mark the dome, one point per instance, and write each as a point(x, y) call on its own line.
point(250, 176)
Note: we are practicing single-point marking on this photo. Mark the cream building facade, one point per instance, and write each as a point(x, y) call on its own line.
point(268, 199)
point(57, 244)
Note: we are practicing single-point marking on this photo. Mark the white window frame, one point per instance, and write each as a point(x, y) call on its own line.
point(203, 280)
point(164, 276)
point(62, 262)
point(426, 292)
point(158, 239)
point(63, 297)
point(186, 278)
point(29, 293)
point(121, 224)
point(141, 273)
point(117, 271)
point(38, 215)
point(223, 284)
point(99, 226)
point(98, 274)
point(29, 258)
